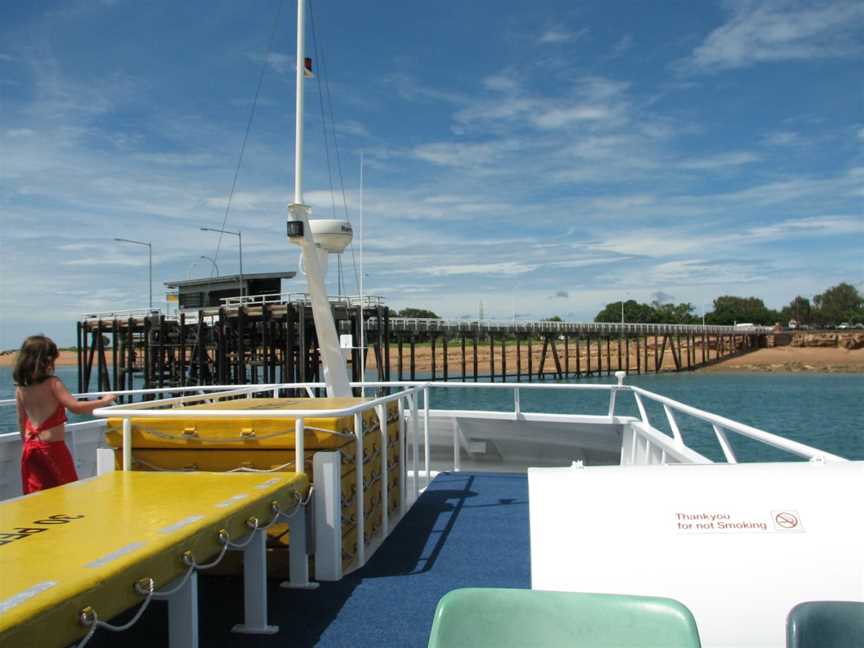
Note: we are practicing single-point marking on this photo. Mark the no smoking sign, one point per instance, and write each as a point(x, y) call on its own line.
point(787, 521)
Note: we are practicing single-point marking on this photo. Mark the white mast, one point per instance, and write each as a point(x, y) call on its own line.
point(299, 232)
point(298, 125)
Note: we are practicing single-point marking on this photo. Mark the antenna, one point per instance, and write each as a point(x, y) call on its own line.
point(362, 317)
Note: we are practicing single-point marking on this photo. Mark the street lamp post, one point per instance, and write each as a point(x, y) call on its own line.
point(239, 236)
point(213, 261)
point(149, 262)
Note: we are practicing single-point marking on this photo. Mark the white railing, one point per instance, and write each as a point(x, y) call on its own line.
point(721, 426)
point(134, 313)
point(368, 301)
point(544, 326)
point(642, 442)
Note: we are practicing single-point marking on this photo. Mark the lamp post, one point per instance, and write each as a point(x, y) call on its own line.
point(213, 261)
point(239, 236)
point(149, 262)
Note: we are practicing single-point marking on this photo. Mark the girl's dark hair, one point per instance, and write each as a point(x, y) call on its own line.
point(33, 364)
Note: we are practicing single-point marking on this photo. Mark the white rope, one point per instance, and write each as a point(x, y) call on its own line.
point(166, 593)
point(189, 559)
point(254, 527)
point(262, 470)
point(89, 618)
point(240, 439)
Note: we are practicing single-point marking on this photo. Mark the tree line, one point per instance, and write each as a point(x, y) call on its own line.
point(837, 305)
point(841, 304)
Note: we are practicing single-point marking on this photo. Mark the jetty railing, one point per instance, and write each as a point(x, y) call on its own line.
point(423, 324)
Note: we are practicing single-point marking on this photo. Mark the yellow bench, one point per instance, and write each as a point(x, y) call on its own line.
point(94, 548)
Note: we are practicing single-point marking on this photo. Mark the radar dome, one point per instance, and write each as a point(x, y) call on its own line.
point(331, 234)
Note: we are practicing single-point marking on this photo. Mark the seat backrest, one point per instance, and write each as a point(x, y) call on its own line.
point(505, 618)
point(826, 624)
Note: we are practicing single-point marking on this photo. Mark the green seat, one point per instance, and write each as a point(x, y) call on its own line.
point(826, 624)
point(505, 618)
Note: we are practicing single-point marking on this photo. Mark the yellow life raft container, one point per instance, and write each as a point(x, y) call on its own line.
point(243, 444)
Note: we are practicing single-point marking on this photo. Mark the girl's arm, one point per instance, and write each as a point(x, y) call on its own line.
point(68, 401)
point(22, 415)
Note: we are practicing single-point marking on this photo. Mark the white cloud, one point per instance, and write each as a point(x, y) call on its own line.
point(558, 117)
point(502, 82)
point(178, 159)
point(502, 268)
point(781, 30)
point(730, 159)
point(561, 35)
point(455, 154)
point(675, 241)
point(783, 138)
point(622, 46)
point(281, 63)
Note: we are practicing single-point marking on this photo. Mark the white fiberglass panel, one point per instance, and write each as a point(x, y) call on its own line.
point(739, 545)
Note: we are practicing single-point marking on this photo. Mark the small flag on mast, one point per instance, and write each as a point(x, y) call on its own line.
point(307, 68)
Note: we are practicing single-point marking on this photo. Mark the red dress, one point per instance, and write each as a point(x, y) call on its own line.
point(45, 464)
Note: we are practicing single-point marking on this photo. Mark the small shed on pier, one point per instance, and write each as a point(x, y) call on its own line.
point(202, 293)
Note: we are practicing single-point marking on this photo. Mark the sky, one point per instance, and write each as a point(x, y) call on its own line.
point(540, 159)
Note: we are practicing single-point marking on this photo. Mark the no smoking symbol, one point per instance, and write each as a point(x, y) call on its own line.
point(786, 520)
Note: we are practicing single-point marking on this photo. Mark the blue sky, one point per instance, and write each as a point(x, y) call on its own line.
point(544, 158)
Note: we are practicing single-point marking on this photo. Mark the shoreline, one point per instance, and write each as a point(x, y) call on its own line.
point(784, 359)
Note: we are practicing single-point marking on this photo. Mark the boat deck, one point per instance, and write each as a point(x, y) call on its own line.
point(466, 529)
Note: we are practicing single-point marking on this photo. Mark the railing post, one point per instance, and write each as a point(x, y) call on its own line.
point(642, 413)
point(517, 402)
point(359, 493)
point(457, 459)
point(415, 443)
point(673, 424)
point(426, 435)
point(299, 447)
point(403, 457)
point(127, 443)
point(381, 410)
point(728, 452)
point(613, 392)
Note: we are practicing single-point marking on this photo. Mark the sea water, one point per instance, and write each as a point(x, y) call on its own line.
point(821, 410)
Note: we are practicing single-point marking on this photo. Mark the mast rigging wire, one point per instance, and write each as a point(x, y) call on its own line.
point(324, 95)
point(264, 64)
point(249, 123)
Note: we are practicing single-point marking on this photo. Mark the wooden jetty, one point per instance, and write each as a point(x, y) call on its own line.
point(256, 340)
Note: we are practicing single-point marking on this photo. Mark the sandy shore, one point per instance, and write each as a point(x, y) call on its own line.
point(66, 359)
point(795, 359)
point(777, 359)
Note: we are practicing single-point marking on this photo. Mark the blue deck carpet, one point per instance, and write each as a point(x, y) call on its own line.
point(466, 530)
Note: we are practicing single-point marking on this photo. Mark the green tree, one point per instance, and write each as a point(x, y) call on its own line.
point(675, 313)
point(842, 303)
point(730, 310)
point(633, 312)
point(554, 318)
point(417, 312)
point(798, 310)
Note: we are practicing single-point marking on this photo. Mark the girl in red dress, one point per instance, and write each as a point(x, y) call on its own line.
point(42, 401)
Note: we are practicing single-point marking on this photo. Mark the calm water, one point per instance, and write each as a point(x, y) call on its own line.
point(822, 410)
